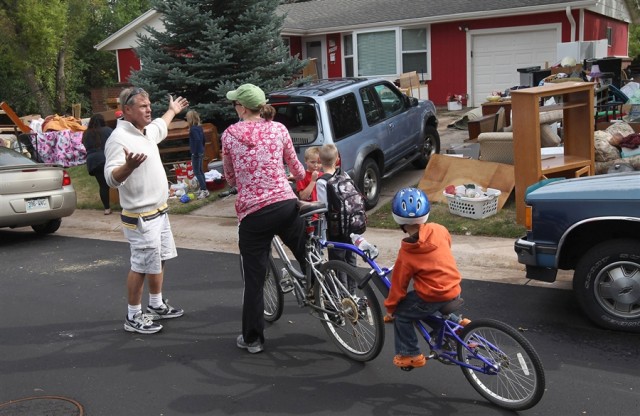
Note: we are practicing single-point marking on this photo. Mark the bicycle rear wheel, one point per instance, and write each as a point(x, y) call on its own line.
point(515, 378)
point(272, 293)
point(357, 328)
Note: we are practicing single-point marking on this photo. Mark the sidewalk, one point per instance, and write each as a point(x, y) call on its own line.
point(214, 228)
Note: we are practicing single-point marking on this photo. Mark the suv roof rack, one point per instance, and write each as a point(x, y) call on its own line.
point(317, 87)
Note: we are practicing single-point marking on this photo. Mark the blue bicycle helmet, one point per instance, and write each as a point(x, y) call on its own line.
point(410, 206)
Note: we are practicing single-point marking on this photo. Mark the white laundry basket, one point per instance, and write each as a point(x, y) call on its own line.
point(476, 208)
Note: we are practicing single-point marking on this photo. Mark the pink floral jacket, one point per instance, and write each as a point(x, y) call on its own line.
point(253, 154)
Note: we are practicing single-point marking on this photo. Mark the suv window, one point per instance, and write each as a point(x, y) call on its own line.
point(372, 111)
point(391, 100)
point(299, 119)
point(345, 116)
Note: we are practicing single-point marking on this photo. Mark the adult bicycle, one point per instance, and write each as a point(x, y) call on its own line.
point(496, 359)
point(349, 313)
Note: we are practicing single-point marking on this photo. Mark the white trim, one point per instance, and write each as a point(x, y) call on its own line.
point(140, 21)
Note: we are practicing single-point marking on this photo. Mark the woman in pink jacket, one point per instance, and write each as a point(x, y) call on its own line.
point(253, 151)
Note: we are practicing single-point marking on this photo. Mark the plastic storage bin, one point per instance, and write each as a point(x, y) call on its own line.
point(476, 208)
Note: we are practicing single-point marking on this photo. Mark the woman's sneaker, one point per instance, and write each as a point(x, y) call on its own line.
point(141, 323)
point(164, 311)
point(253, 347)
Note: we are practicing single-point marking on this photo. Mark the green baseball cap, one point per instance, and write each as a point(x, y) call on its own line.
point(248, 95)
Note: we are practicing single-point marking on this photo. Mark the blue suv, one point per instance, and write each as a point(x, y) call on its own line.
point(377, 129)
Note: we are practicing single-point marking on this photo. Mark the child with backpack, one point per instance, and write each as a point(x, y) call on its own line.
point(345, 204)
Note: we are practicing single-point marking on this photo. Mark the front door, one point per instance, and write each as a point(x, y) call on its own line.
point(314, 48)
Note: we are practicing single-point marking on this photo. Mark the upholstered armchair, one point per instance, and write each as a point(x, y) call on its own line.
point(497, 146)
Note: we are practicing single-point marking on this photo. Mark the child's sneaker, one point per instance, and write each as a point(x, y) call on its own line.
point(165, 311)
point(463, 322)
point(409, 361)
point(141, 323)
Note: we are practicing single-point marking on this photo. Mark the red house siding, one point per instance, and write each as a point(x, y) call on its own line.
point(128, 62)
point(449, 44)
point(595, 28)
point(295, 46)
point(334, 47)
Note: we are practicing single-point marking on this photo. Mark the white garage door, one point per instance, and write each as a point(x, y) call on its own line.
point(496, 58)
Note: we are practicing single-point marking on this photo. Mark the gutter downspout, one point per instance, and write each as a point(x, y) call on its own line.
point(572, 21)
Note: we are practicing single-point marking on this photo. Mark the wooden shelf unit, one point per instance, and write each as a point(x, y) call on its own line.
point(576, 100)
point(175, 148)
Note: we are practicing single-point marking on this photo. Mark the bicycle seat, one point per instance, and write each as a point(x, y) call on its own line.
point(452, 306)
point(309, 208)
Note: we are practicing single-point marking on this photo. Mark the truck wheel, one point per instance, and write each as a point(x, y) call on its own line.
point(369, 182)
point(607, 284)
point(430, 146)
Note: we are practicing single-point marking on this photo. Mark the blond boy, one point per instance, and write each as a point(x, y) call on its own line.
point(307, 187)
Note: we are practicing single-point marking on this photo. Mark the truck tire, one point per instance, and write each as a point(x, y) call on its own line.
point(369, 182)
point(607, 284)
point(430, 146)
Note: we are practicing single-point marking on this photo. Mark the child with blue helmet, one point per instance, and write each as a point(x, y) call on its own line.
point(425, 257)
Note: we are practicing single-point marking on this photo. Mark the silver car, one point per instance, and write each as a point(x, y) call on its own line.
point(35, 195)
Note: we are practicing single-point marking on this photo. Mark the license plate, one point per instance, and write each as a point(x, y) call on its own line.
point(37, 204)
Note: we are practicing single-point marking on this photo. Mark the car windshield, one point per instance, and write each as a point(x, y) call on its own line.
point(10, 157)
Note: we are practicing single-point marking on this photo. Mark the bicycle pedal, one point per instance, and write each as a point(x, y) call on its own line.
point(286, 289)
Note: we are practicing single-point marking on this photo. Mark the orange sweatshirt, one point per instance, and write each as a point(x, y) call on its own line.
point(430, 263)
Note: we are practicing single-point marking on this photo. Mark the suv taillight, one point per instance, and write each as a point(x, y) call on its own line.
point(66, 179)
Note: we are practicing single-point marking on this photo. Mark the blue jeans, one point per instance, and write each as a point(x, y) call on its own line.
point(196, 163)
point(410, 309)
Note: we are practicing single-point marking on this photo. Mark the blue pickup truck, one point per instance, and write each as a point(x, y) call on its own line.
point(590, 225)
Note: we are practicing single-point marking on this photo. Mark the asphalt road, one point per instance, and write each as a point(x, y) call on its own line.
point(63, 303)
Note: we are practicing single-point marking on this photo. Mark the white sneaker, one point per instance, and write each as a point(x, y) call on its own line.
point(141, 323)
point(203, 194)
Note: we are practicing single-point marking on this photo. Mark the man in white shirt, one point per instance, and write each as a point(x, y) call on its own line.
point(134, 167)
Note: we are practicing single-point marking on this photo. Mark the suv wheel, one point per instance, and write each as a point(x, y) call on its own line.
point(607, 284)
point(430, 146)
point(369, 182)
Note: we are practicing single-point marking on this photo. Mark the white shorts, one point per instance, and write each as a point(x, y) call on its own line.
point(151, 243)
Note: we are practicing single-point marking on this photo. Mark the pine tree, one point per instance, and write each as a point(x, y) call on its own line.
point(209, 48)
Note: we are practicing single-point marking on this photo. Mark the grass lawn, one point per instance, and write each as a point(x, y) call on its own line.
point(503, 224)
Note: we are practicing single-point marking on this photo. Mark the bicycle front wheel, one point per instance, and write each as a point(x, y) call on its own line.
point(513, 377)
point(356, 327)
point(272, 293)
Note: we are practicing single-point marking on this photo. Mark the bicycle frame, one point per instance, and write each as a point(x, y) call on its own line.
point(446, 327)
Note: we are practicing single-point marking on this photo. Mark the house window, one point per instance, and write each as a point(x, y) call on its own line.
point(377, 53)
point(386, 53)
point(609, 36)
point(348, 55)
point(414, 50)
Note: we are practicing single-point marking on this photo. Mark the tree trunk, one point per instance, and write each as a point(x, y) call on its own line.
point(44, 107)
point(61, 84)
